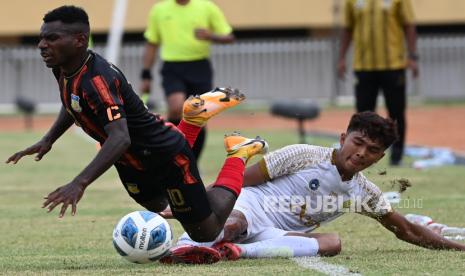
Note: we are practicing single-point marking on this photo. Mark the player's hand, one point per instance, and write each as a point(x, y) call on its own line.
point(413, 65)
point(69, 194)
point(203, 34)
point(341, 69)
point(167, 214)
point(145, 85)
point(41, 148)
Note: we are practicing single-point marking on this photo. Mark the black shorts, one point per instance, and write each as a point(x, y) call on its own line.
point(190, 77)
point(176, 178)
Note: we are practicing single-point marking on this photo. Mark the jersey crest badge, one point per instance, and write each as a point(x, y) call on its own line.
point(132, 188)
point(314, 184)
point(75, 103)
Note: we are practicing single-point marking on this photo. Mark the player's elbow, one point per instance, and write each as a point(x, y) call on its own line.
point(124, 141)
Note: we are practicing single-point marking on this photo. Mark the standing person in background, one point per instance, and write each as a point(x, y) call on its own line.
point(380, 29)
point(184, 29)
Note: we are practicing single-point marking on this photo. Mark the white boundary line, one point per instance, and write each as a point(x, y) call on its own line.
point(317, 264)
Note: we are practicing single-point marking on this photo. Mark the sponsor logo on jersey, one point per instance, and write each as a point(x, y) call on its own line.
point(132, 188)
point(75, 103)
point(314, 184)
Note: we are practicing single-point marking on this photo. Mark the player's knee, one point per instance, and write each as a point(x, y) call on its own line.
point(330, 245)
point(337, 245)
point(156, 205)
point(234, 227)
point(200, 235)
point(230, 230)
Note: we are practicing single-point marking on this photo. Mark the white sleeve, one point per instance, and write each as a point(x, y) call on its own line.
point(291, 159)
point(374, 204)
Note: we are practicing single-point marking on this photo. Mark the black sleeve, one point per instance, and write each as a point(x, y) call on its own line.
point(104, 98)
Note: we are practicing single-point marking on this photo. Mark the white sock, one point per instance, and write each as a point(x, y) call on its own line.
point(452, 231)
point(285, 246)
point(185, 239)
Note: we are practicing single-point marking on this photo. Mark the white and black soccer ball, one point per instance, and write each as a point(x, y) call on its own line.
point(142, 237)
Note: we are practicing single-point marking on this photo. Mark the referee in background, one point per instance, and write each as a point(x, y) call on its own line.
point(380, 30)
point(184, 29)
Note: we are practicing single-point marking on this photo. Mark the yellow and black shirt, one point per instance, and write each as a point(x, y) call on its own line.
point(378, 32)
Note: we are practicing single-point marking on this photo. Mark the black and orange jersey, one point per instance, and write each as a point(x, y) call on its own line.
point(98, 93)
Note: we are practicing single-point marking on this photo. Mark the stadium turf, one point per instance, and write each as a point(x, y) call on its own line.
point(34, 242)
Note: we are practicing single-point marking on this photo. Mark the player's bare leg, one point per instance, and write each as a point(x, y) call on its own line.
point(223, 194)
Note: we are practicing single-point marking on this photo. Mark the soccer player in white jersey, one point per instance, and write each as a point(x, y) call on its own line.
point(295, 189)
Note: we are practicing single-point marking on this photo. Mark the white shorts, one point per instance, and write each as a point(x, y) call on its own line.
point(259, 226)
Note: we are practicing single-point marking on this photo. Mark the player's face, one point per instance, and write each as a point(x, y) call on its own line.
point(358, 152)
point(57, 44)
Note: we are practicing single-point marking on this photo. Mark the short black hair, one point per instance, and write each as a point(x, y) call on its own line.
point(68, 15)
point(374, 126)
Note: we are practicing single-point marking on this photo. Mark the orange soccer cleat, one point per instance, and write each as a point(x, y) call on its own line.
point(239, 146)
point(197, 110)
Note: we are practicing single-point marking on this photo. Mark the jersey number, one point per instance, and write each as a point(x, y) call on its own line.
point(110, 114)
point(176, 197)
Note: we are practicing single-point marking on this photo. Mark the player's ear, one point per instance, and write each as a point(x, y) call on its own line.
point(82, 40)
point(342, 138)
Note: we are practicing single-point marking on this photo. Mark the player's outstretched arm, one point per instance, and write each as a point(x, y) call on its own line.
point(116, 144)
point(417, 234)
point(62, 123)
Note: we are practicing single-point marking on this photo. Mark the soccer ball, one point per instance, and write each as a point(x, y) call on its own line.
point(142, 237)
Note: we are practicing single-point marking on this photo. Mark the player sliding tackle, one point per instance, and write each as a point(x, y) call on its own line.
point(293, 190)
point(153, 159)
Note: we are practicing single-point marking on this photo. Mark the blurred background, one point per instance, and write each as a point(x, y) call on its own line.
point(283, 49)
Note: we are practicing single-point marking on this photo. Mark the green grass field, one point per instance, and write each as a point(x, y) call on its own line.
point(35, 242)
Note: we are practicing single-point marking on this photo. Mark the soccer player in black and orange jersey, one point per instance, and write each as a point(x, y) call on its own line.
point(153, 159)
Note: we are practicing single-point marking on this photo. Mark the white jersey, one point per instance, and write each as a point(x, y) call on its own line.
point(306, 190)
